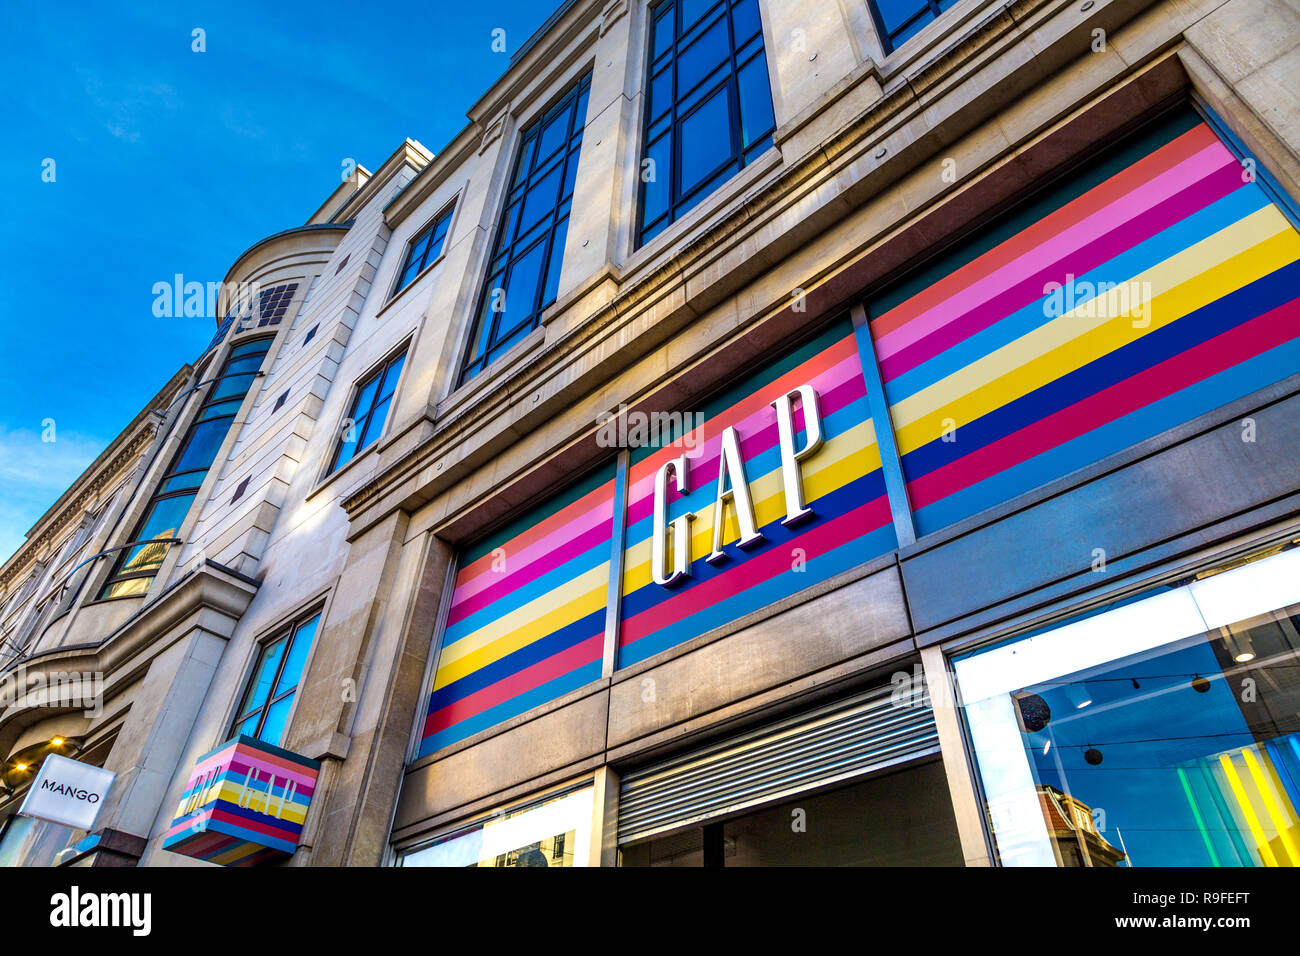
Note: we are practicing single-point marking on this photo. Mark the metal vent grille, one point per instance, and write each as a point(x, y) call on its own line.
point(864, 734)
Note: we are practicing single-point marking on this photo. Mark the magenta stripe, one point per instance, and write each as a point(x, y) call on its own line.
point(508, 583)
point(597, 516)
point(1151, 193)
point(846, 390)
point(1124, 237)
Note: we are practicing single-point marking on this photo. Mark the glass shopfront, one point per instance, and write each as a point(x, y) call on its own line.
point(1160, 732)
point(556, 832)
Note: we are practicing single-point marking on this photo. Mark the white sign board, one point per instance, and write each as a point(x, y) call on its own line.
point(67, 791)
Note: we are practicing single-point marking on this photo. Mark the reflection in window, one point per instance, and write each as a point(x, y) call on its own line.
point(365, 419)
point(554, 833)
point(424, 249)
point(708, 104)
point(898, 20)
point(527, 253)
point(269, 698)
point(136, 566)
point(1138, 738)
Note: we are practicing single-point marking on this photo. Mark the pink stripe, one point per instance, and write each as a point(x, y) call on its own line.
point(756, 570)
point(505, 584)
point(1190, 171)
point(305, 780)
point(1173, 374)
point(486, 577)
point(840, 387)
point(557, 665)
point(1218, 184)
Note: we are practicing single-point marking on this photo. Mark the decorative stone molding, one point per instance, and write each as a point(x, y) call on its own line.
point(612, 14)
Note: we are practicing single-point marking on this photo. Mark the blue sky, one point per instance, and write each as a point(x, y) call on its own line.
point(167, 161)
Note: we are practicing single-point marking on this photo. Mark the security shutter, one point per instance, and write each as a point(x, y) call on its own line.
point(864, 734)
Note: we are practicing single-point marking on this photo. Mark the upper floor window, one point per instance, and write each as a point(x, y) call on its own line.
point(162, 520)
point(264, 711)
point(898, 20)
point(708, 104)
point(424, 249)
point(524, 272)
point(369, 410)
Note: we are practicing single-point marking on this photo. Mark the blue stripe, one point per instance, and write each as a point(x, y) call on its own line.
point(511, 708)
point(828, 508)
point(531, 590)
point(819, 568)
point(531, 653)
point(1151, 252)
point(1150, 420)
point(1191, 330)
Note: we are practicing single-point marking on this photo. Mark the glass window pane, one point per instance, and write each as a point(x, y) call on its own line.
point(186, 480)
point(521, 293)
point(541, 198)
point(663, 30)
point(392, 373)
point(894, 13)
point(656, 177)
point(231, 386)
point(557, 260)
point(366, 397)
point(661, 93)
point(693, 10)
point(248, 728)
point(302, 640)
point(554, 134)
point(202, 444)
point(555, 833)
point(756, 119)
point(705, 138)
point(702, 57)
point(276, 717)
point(745, 21)
point(373, 426)
point(260, 687)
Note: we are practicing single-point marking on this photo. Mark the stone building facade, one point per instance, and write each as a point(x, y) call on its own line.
point(769, 432)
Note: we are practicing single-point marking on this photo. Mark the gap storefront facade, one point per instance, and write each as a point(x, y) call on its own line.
point(1151, 287)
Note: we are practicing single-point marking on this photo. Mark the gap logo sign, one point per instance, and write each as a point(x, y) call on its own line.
point(244, 804)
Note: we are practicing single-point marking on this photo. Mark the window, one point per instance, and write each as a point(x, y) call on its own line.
point(708, 104)
point(425, 248)
point(269, 698)
point(898, 20)
point(365, 419)
point(1159, 731)
point(556, 832)
point(524, 272)
point(136, 566)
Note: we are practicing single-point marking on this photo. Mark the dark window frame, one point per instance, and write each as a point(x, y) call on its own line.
point(723, 78)
point(285, 635)
point(405, 277)
point(204, 415)
point(510, 247)
point(934, 9)
point(380, 371)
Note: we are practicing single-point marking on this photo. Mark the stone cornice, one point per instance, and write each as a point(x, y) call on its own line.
point(126, 653)
point(561, 372)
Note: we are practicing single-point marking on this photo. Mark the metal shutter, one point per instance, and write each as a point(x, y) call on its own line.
point(849, 738)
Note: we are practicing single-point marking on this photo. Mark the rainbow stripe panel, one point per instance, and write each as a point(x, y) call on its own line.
point(997, 383)
point(842, 481)
point(527, 616)
point(244, 804)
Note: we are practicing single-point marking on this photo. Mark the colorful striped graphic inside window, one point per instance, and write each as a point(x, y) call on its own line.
point(842, 484)
point(527, 616)
point(1152, 287)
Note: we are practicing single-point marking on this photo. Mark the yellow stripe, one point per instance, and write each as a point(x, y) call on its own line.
point(294, 811)
point(851, 455)
point(1243, 801)
point(1207, 271)
point(567, 603)
point(1275, 812)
